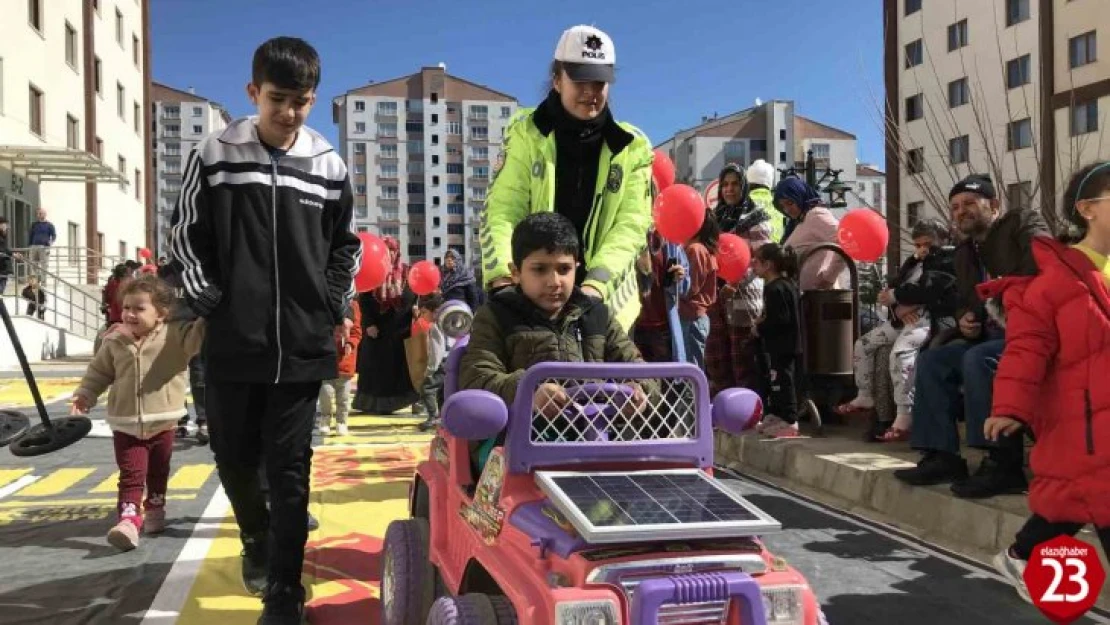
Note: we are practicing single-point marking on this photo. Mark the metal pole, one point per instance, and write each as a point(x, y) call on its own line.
point(31, 384)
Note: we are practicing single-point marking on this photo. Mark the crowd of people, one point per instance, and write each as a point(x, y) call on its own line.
point(572, 270)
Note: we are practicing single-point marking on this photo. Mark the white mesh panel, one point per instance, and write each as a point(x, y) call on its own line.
point(669, 413)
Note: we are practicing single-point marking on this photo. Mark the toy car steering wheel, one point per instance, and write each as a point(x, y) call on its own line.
point(585, 406)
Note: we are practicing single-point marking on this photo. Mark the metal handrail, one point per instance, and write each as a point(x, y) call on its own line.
point(68, 305)
point(73, 262)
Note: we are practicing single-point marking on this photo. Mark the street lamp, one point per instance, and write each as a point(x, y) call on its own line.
point(835, 188)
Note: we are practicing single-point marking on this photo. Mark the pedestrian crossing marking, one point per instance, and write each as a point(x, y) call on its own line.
point(108, 502)
point(56, 483)
point(190, 477)
point(7, 476)
point(109, 485)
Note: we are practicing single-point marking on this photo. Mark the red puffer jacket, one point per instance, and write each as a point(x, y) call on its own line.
point(1053, 377)
point(348, 362)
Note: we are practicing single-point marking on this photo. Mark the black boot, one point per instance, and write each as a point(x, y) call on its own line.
point(256, 563)
point(282, 605)
point(994, 477)
point(937, 467)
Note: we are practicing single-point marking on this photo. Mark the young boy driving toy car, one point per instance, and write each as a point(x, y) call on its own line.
point(543, 317)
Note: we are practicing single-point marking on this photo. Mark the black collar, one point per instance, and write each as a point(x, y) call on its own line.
point(616, 138)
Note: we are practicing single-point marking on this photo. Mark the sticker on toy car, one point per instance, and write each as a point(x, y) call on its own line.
point(483, 514)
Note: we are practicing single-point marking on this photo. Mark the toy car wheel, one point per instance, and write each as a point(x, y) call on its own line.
point(472, 609)
point(408, 578)
point(421, 505)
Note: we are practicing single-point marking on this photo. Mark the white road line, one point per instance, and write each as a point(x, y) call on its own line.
point(22, 482)
point(174, 591)
point(879, 528)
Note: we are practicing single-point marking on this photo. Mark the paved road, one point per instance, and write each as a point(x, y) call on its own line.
point(57, 568)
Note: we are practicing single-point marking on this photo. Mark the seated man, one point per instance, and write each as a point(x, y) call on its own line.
point(992, 246)
point(543, 317)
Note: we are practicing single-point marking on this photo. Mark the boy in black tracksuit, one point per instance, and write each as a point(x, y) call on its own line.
point(263, 230)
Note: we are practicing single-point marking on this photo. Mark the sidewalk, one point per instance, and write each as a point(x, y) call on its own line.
point(61, 368)
point(841, 470)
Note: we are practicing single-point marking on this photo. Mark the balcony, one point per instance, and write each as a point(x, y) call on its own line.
point(478, 117)
point(385, 158)
point(385, 116)
point(479, 160)
point(385, 136)
point(171, 114)
point(387, 177)
point(388, 201)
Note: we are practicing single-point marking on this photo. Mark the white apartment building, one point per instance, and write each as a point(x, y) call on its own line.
point(420, 150)
point(181, 120)
point(1012, 88)
point(73, 125)
point(771, 131)
point(870, 188)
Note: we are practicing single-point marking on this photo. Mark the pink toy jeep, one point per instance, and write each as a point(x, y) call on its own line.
point(604, 514)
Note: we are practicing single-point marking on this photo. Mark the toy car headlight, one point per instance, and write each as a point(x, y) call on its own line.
point(586, 613)
point(782, 605)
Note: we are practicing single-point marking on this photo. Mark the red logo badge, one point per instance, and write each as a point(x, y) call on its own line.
point(1064, 578)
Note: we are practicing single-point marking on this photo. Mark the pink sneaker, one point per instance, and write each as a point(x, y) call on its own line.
point(124, 536)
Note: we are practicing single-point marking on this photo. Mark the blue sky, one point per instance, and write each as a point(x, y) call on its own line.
point(676, 61)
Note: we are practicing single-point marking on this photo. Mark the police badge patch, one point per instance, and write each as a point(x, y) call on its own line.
point(616, 177)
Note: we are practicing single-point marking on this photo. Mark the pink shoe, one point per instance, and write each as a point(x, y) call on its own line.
point(124, 536)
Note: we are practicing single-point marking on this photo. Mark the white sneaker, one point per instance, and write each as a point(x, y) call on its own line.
point(774, 427)
point(1013, 570)
point(341, 429)
point(322, 426)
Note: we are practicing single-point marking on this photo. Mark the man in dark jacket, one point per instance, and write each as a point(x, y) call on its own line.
point(992, 246)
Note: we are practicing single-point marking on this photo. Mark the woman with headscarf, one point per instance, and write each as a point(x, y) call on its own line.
point(384, 385)
point(728, 360)
point(571, 156)
point(810, 224)
point(458, 282)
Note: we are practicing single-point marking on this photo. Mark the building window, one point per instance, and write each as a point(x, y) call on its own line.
point(481, 172)
point(414, 147)
point(479, 152)
point(136, 115)
point(736, 152)
point(385, 108)
point(389, 192)
point(414, 126)
point(34, 14)
point(455, 209)
point(458, 229)
point(1084, 118)
point(958, 149)
point(915, 161)
point(416, 208)
point(478, 193)
point(435, 200)
point(98, 77)
point(756, 145)
point(454, 189)
point(360, 148)
point(198, 111)
point(73, 133)
point(71, 45)
point(360, 189)
point(120, 96)
point(122, 174)
point(384, 130)
point(506, 111)
point(135, 50)
point(198, 129)
point(434, 98)
point(915, 107)
point(1017, 72)
point(389, 171)
point(913, 213)
point(360, 127)
point(435, 159)
point(782, 159)
point(360, 106)
point(415, 188)
point(386, 151)
point(1082, 50)
point(957, 35)
point(455, 168)
point(36, 113)
point(435, 139)
point(959, 93)
point(915, 53)
point(479, 111)
point(912, 6)
point(454, 128)
point(1017, 11)
point(119, 28)
point(1019, 134)
point(479, 133)
point(1019, 195)
point(138, 185)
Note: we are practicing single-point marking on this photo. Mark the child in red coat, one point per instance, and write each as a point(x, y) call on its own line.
point(335, 398)
point(1053, 381)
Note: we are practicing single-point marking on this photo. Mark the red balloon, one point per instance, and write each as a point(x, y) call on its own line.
point(863, 235)
point(734, 256)
point(145, 253)
point(424, 277)
point(662, 171)
point(375, 263)
point(679, 213)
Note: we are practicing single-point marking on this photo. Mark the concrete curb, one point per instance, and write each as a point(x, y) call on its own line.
point(843, 471)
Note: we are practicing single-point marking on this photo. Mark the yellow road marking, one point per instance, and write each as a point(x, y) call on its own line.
point(110, 485)
point(7, 476)
point(56, 483)
point(54, 503)
point(190, 477)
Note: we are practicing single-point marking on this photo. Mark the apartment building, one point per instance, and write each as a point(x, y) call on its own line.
point(181, 120)
point(771, 131)
point(74, 80)
point(870, 188)
point(1013, 88)
point(420, 150)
